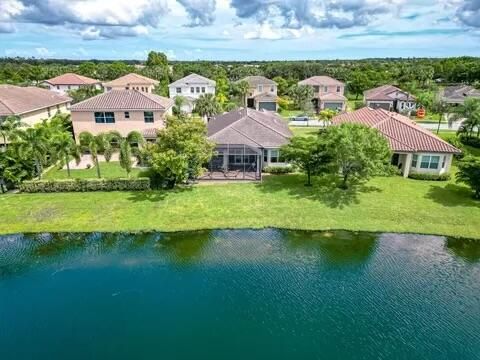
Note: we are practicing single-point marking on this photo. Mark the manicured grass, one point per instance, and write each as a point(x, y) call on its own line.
point(383, 204)
point(287, 114)
point(108, 170)
point(304, 131)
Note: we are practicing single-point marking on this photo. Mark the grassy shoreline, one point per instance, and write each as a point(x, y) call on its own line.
point(382, 205)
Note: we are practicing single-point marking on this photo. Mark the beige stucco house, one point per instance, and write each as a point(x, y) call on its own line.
point(69, 81)
point(132, 81)
point(328, 93)
point(123, 111)
point(262, 93)
point(415, 149)
point(31, 104)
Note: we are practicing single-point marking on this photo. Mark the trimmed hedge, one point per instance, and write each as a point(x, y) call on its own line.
point(84, 185)
point(278, 170)
point(430, 177)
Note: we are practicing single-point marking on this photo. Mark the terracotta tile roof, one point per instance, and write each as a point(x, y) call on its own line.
point(250, 127)
point(320, 81)
point(402, 134)
point(72, 79)
point(193, 79)
point(332, 96)
point(16, 100)
point(258, 80)
point(387, 93)
point(124, 100)
point(266, 97)
point(131, 79)
point(150, 133)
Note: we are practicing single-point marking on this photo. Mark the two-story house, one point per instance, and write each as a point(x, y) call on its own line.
point(328, 93)
point(123, 111)
point(132, 81)
point(62, 84)
point(390, 98)
point(262, 93)
point(191, 87)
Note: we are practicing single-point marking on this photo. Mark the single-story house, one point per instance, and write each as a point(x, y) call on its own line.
point(132, 81)
point(123, 111)
point(70, 81)
point(457, 94)
point(247, 141)
point(390, 98)
point(191, 87)
point(262, 93)
point(415, 149)
point(31, 104)
point(328, 93)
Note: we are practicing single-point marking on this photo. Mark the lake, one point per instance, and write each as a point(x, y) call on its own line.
point(239, 294)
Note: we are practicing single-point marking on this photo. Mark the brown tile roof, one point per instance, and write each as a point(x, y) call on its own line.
point(131, 79)
point(250, 127)
point(72, 79)
point(458, 93)
point(16, 100)
point(332, 96)
point(320, 81)
point(402, 134)
point(124, 100)
point(387, 93)
point(150, 133)
point(258, 80)
point(266, 97)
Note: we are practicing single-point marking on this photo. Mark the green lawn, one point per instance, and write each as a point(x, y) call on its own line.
point(108, 170)
point(304, 131)
point(383, 204)
point(287, 114)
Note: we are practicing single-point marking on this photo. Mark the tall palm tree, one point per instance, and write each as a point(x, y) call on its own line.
point(179, 102)
point(127, 149)
point(65, 148)
point(93, 144)
point(33, 141)
point(242, 88)
point(207, 105)
point(9, 127)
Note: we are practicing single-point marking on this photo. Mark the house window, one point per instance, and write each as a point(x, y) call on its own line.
point(443, 161)
point(127, 88)
point(104, 117)
point(143, 89)
point(316, 89)
point(179, 90)
point(192, 90)
point(203, 89)
point(272, 89)
point(58, 87)
point(274, 156)
point(69, 87)
point(58, 107)
point(414, 160)
point(325, 89)
point(338, 89)
point(48, 112)
point(430, 162)
point(127, 115)
point(148, 116)
point(260, 88)
point(198, 89)
point(265, 156)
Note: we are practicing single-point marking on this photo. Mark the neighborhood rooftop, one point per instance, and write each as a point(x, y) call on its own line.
point(193, 79)
point(258, 80)
point(320, 81)
point(124, 100)
point(131, 79)
point(250, 127)
point(15, 100)
point(72, 79)
point(387, 93)
point(460, 92)
point(402, 134)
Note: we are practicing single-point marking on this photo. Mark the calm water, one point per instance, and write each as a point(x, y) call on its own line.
point(239, 295)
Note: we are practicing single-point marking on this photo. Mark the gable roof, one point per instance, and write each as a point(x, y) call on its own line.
point(119, 100)
point(458, 93)
point(387, 93)
point(16, 100)
point(193, 79)
point(402, 134)
point(332, 97)
point(320, 81)
point(250, 127)
point(131, 79)
point(258, 80)
point(72, 79)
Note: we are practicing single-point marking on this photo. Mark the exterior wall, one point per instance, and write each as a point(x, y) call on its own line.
point(64, 89)
point(35, 117)
point(387, 105)
point(85, 121)
point(407, 166)
point(406, 105)
point(267, 158)
point(186, 90)
point(262, 89)
point(148, 88)
point(319, 90)
point(327, 104)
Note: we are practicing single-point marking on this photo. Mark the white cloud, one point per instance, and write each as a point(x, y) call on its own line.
point(44, 52)
point(267, 32)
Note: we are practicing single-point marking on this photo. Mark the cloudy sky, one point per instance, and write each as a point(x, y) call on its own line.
point(239, 29)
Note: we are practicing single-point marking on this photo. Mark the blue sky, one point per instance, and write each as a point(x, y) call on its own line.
point(239, 29)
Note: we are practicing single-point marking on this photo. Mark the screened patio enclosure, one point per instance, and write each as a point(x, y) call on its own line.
point(234, 162)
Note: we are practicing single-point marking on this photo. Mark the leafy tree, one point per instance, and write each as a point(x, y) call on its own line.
point(180, 151)
point(156, 59)
point(179, 102)
point(327, 115)
point(83, 93)
point(356, 151)
point(307, 153)
point(282, 85)
point(359, 82)
point(88, 68)
point(65, 148)
point(302, 96)
point(242, 88)
point(9, 127)
point(93, 144)
point(469, 174)
point(207, 106)
point(470, 110)
point(33, 142)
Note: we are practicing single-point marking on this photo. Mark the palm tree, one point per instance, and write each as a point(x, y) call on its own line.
point(33, 141)
point(470, 110)
point(242, 88)
point(126, 157)
point(179, 102)
point(93, 144)
point(9, 127)
point(207, 106)
point(65, 147)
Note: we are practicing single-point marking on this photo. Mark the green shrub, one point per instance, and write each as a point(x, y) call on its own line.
point(430, 177)
point(85, 185)
point(470, 141)
point(358, 105)
point(278, 170)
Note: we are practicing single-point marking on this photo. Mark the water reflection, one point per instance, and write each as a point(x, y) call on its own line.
point(335, 248)
point(468, 250)
point(184, 247)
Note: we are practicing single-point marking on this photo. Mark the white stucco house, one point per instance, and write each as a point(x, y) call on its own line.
point(191, 87)
point(415, 149)
point(64, 83)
